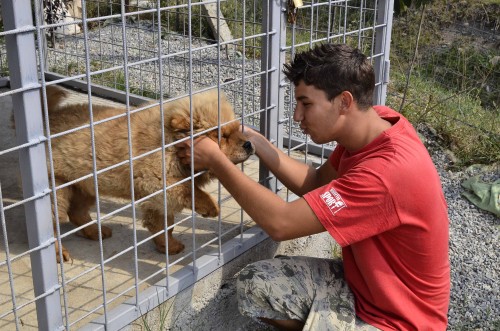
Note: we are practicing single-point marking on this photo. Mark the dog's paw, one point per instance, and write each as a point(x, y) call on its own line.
point(211, 212)
point(106, 232)
point(174, 245)
point(92, 232)
point(65, 254)
point(207, 209)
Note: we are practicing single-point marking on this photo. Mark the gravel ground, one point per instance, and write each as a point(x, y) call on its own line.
point(474, 234)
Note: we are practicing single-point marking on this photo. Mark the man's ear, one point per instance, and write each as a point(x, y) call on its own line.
point(346, 100)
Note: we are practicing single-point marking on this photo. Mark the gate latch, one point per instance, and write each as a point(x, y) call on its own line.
point(293, 5)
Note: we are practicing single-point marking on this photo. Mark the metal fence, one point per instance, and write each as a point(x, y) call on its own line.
point(122, 54)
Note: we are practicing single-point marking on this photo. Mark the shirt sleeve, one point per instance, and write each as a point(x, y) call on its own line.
point(354, 207)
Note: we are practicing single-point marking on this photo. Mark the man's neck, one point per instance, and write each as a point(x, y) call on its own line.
point(366, 126)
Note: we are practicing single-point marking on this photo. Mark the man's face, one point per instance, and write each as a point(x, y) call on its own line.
point(318, 117)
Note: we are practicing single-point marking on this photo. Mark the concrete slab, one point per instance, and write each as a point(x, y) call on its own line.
point(83, 289)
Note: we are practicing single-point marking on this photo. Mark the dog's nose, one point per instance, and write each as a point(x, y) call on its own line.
point(247, 145)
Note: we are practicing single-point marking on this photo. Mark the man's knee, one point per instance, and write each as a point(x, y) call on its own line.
point(250, 279)
point(259, 290)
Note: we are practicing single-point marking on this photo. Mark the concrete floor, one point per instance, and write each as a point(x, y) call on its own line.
point(83, 278)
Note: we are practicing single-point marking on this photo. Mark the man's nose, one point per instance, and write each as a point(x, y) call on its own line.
point(297, 114)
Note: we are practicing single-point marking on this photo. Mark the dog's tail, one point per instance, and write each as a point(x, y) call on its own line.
point(55, 95)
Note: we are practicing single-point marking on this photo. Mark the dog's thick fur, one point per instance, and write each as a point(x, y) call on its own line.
point(72, 158)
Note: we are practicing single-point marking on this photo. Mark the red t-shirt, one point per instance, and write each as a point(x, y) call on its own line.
point(387, 211)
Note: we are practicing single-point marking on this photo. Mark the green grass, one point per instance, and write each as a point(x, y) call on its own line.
point(466, 128)
point(453, 85)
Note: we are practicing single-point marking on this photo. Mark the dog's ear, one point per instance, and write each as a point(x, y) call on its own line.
point(181, 127)
point(179, 123)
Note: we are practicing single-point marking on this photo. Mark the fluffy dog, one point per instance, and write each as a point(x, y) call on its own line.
point(72, 159)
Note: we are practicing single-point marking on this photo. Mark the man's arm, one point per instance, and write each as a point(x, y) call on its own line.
point(279, 219)
point(297, 176)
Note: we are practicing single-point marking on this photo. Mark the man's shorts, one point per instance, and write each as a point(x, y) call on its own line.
point(307, 289)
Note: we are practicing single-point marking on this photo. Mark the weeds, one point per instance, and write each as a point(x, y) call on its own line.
point(162, 310)
point(336, 251)
point(162, 322)
point(454, 81)
point(465, 127)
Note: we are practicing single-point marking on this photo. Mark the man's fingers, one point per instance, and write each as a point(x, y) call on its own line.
point(184, 144)
point(185, 158)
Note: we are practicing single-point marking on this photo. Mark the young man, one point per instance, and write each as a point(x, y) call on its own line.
point(378, 195)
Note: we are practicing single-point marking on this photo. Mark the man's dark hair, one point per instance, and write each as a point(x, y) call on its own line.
point(334, 68)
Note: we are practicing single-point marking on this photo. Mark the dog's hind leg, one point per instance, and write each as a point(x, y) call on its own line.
point(79, 215)
point(64, 196)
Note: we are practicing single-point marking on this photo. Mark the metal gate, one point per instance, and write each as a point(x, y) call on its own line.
point(126, 54)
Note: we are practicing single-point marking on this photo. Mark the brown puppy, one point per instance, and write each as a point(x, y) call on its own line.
point(72, 157)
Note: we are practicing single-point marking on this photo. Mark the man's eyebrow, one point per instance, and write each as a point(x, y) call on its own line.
point(302, 97)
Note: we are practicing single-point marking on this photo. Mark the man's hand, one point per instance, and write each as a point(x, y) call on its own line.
point(249, 132)
point(204, 150)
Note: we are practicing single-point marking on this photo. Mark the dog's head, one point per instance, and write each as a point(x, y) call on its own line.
point(209, 110)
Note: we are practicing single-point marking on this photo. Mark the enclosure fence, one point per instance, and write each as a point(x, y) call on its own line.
point(134, 56)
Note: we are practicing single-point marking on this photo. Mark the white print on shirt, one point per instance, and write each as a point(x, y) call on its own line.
point(333, 200)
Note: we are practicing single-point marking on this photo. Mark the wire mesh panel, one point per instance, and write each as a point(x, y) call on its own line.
point(99, 149)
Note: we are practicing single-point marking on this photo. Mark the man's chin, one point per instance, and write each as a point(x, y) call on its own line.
point(315, 140)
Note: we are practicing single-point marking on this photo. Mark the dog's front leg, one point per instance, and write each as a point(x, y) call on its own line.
point(152, 209)
point(204, 204)
point(154, 222)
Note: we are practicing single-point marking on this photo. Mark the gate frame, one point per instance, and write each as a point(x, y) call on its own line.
point(21, 56)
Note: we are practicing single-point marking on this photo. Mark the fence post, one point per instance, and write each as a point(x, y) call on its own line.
point(272, 92)
point(23, 69)
point(382, 47)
